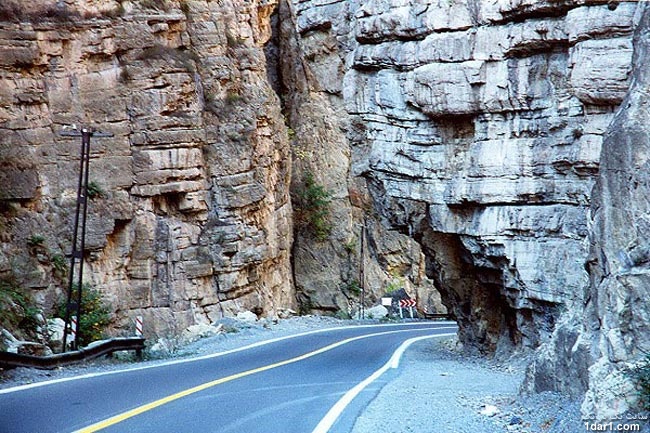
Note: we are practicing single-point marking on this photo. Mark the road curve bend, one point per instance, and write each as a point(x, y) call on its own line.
point(317, 382)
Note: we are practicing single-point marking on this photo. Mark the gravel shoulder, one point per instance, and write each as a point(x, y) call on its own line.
point(439, 390)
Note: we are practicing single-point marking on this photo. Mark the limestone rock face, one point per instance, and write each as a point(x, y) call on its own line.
point(617, 320)
point(476, 128)
point(458, 141)
point(359, 258)
point(192, 217)
point(597, 341)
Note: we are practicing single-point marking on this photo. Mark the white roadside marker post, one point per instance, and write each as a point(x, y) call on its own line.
point(138, 326)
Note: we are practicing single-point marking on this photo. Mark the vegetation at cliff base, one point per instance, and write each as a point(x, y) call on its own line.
point(18, 312)
point(95, 314)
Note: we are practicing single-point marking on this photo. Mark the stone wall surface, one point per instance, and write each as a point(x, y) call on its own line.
point(477, 128)
point(617, 321)
point(314, 50)
point(593, 348)
point(194, 218)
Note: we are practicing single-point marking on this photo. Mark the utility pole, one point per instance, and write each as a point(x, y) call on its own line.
point(73, 306)
point(362, 276)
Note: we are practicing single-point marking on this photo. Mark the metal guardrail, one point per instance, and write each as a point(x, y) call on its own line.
point(12, 360)
point(437, 316)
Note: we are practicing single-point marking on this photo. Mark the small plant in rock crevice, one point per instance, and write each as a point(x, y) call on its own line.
point(352, 287)
point(95, 190)
point(36, 240)
point(60, 265)
point(351, 246)
point(232, 97)
point(394, 285)
point(342, 315)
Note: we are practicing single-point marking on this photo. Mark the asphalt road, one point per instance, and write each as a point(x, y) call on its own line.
point(314, 382)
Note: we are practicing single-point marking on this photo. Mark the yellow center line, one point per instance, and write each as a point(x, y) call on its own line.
point(154, 404)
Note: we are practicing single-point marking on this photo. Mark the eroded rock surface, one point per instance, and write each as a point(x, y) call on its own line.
point(465, 135)
point(477, 128)
point(616, 319)
point(192, 219)
point(314, 43)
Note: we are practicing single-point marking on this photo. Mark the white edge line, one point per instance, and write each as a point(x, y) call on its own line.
point(204, 357)
point(335, 412)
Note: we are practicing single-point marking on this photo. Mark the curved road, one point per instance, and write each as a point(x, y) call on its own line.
point(316, 382)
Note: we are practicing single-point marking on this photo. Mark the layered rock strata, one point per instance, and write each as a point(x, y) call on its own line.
point(616, 323)
point(192, 217)
point(465, 136)
point(478, 128)
point(347, 267)
point(615, 334)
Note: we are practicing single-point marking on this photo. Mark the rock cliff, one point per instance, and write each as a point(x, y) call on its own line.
point(192, 216)
point(617, 318)
point(595, 346)
point(476, 129)
point(329, 272)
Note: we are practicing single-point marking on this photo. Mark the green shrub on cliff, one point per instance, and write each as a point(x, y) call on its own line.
point(95, 190)
point(18, 313)
point(312, 207)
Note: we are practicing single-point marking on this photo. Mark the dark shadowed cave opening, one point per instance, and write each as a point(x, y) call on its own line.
point(472, 294)
point(493, 317)
point(479, 287)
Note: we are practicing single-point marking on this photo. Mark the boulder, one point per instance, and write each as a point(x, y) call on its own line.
point(247, 316)
point(33, 349)
point(8, 341)
point(286, 313)
point(53, 330)
point(376, 312)
point(489, 410)
point(14, 345)
point(198, 331)
point(52, 333)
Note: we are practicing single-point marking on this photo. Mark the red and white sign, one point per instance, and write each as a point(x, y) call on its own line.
point(407, 303)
